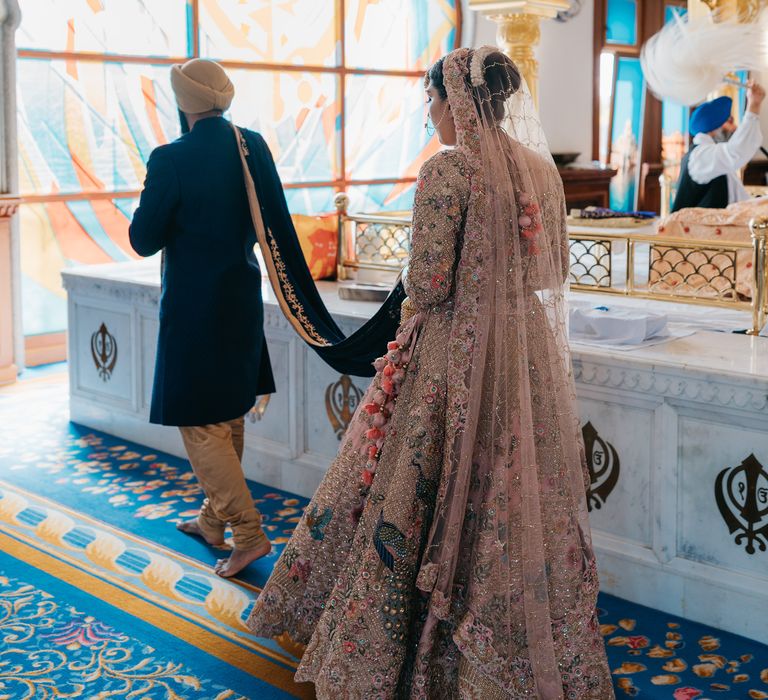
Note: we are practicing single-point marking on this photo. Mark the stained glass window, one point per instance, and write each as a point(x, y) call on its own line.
point(127, 27)
point(394, 197)
point(301, 32)
point(398, 34)
point(298, 115)
point(90, 126)
point(385, 134)
point(310, 200)
point(58, 234)
point(94, 99)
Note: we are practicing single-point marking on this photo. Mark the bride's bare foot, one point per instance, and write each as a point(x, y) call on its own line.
point(240, 558)
point(192, 527)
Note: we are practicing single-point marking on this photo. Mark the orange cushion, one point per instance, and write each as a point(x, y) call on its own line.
point(318, 236)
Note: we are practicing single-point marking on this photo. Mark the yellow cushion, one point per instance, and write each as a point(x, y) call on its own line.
point(318, 236)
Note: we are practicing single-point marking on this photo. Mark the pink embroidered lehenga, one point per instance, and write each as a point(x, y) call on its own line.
point(447, 552)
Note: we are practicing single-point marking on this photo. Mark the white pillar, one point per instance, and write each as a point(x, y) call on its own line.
point(11, 335)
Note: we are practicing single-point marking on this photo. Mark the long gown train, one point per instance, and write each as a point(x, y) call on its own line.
point(348, 589)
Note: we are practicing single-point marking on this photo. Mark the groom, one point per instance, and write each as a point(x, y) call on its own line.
point(212, 359)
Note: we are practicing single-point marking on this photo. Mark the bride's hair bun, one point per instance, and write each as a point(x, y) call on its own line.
point(492, 79)
point(501, 75)
point(501, 78)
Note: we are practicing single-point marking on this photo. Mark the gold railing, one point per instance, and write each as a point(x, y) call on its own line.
point(690, 271)
point(378, 243)
point(683, 270)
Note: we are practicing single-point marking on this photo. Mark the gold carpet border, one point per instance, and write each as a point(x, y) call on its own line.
point(184, 613)
point(185, 630)
point(131, 589)
point(145, 544)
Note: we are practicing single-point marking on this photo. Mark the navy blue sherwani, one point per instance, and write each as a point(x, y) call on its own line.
point(212, 358)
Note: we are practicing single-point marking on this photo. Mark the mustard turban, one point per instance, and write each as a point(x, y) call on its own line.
point(201, 85)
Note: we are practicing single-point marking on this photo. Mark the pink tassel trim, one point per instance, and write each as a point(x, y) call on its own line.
point(391, 372)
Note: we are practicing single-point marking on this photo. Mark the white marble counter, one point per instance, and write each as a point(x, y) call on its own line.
point(706, 351)
point(663, 424)
point(703, 353)
point(139, 276)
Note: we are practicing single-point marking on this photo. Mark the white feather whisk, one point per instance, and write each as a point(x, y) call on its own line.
point(688, 59)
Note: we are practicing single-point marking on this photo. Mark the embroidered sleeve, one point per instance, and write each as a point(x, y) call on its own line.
point(442, 193)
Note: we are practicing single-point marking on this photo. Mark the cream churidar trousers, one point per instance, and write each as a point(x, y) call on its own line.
point(215, 452)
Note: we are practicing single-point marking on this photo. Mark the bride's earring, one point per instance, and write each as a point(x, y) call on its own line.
point(439, 121)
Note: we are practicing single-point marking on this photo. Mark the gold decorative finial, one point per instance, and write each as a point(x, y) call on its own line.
point(341, 202)
point(759, 229)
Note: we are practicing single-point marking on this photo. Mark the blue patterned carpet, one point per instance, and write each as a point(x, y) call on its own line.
point(87, 520)
point(59, 641)
point(655, 655)
point(120, 483)
point(94, 575)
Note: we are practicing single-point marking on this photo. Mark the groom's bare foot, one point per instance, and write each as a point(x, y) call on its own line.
point(192, 527)
point(240, 558)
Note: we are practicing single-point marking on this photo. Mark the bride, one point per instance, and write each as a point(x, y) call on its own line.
point(447, 552)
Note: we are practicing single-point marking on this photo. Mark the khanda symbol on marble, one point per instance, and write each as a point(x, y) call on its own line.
point(742, 498)
point(104, 352)
point(341, 400)
point(603, 464)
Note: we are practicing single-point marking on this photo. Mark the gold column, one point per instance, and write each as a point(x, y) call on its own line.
point(516, 35)
point(745, 10)
point(518, 30)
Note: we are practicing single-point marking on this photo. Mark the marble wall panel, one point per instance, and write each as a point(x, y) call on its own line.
point(329, 399)
point(717, 602)
point(104, 350)
point(644, 582)
point(301, 477)
point(619, 440)
point(277, 426)
point(708, 449)
point(148, 327)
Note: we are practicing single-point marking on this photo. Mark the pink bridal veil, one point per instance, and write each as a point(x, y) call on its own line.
point(512, 492)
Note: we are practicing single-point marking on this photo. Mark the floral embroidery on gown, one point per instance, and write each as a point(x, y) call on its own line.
point(359, 583)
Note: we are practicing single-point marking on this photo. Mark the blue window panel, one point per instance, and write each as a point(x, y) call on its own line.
point(674, 140)
point(621, 22)
point(626, 134)
point(741, 99)
point(671, 10)
point(674, 118)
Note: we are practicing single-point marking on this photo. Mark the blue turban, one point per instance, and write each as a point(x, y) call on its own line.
point(711, 115)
